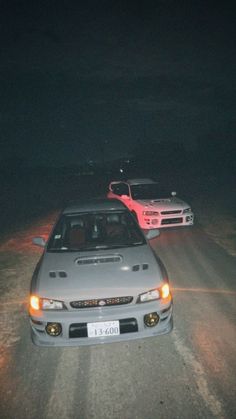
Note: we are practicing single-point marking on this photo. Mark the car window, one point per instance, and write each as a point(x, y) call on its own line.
point(89, 231)
point(120, 189)
point(147, 191)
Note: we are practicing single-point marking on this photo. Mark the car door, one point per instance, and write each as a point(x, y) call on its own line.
point(120, 190)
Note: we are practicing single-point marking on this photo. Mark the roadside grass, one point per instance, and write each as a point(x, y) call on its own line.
point(215, 211)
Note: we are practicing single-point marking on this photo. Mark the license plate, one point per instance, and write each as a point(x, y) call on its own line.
point(101, 329)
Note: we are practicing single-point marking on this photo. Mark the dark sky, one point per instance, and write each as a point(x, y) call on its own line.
point(81, 76)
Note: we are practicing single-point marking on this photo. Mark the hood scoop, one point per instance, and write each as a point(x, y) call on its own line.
point(161, 201)
point(97, 260)
point(58, 274)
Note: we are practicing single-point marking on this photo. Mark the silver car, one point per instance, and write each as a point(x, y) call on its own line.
point(98, 280)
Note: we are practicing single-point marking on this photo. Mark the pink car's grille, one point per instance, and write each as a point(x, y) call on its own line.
point(172, 221)
point(171, 212)
point(101, 302)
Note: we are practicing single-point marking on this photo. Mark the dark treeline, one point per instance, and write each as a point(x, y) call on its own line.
point(214, 156)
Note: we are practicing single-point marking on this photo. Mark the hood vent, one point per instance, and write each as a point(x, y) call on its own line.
point(161, 201)
point(97, 260)
point(136, 268)
point(58, 274)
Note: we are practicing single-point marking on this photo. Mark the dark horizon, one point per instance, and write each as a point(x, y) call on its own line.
point(92, 81)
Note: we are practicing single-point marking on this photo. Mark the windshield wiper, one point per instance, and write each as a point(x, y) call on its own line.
point(112, 246)
point(58, 249)
point(85, 248)
point(93, 248)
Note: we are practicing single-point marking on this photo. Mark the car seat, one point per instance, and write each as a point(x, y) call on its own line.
point(114, 229)
point(77, 235)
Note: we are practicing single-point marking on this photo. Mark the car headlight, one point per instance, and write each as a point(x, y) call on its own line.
point(150, 213)
point(52, 304)
point(45, 303)
point(186, 210)
point(154, 294)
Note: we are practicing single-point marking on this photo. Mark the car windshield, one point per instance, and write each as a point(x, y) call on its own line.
point(98, 230)
point(147, 191)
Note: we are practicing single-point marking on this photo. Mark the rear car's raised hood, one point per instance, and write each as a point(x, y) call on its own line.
point(110, 273)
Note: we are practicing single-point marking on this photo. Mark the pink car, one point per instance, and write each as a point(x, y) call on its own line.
point(151, 208)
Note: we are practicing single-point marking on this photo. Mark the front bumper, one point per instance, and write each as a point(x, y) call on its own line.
point(148, 223)
point(74, 324)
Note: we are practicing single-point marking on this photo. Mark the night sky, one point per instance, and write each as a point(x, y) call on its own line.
point(82, 77)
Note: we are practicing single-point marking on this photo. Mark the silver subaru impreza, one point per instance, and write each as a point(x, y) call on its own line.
point(98, 280)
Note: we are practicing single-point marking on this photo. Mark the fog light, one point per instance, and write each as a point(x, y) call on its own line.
point(154, 221)
point(53, 329)
point(151, 319)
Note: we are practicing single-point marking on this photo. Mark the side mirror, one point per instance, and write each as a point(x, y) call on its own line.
point(152, 234)
point(39, 241)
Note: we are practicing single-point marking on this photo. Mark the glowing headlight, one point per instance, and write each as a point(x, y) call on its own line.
point(150, 213)
point(155, 294)
point(45, 304)
point(34, 302)
point(186, 210)
point(165, 291)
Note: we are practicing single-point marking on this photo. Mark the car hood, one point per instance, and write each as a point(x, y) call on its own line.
point(83, 275)
point(164, 204)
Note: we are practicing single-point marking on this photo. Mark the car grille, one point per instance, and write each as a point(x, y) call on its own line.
point(172, 221)
point(79, 330)
point(171, 212)
point(101, 302)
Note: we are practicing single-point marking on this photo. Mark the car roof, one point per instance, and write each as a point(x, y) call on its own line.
point(141, 181)
point(94, 204)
